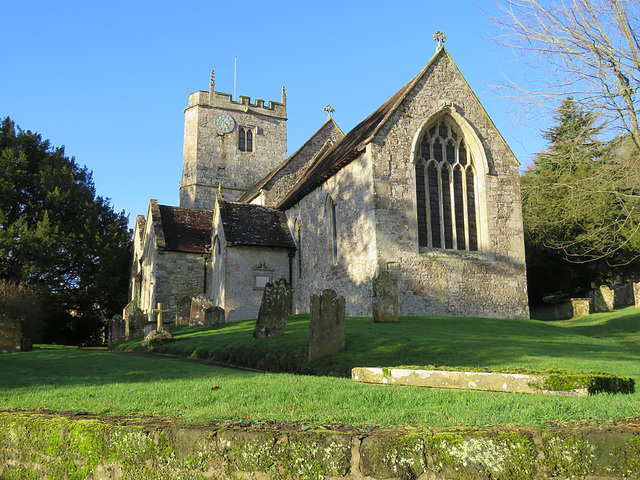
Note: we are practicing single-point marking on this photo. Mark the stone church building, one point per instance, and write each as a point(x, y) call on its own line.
point(425, 188)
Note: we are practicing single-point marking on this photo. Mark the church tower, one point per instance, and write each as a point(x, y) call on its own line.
point(229, 143)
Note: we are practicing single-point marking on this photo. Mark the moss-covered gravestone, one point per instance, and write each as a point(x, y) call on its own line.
point(604, 299)
point(214, 316)
point(134, 324)
point(385, 298)
point(10, 334)
point(183, 311)
point(326, 328)
point(116, 330)
point(199, 305)
point(274, 310)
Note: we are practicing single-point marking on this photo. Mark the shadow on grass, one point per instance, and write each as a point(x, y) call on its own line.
point(580, 344)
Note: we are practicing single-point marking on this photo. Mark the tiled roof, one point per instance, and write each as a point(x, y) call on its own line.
point(186, 229)
point(351, 145)
point(248, 224)
point(255, 189)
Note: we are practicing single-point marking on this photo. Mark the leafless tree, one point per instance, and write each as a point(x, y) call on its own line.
point(585, 49)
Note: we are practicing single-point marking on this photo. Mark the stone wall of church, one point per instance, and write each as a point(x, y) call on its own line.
point(247, 271)
point(488, 283)
point(211, 157)
point(352, 192)
point(286, 178)
point(177, 274)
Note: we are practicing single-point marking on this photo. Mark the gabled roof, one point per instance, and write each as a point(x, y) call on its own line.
point(254, 225)
point(353, 144)
point(255, 189)
point(186, 229)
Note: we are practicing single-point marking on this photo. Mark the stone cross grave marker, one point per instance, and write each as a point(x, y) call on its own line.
point(274, 310)
point(326, 328)
point(159, 311)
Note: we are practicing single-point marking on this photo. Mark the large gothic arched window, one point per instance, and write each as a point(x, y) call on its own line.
point(446, 189)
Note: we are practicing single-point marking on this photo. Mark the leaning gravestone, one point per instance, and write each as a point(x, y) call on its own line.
point(199, 305)
point(636, 294)
point(10, 334)
point(183, 311)
point(116, 330)
point(604, 298)
point(134, 324)
point(274, 310)
point(385, 298)
point(214, 316)
point(326, 328)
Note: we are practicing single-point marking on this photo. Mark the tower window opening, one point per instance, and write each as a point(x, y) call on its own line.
point(245, 139)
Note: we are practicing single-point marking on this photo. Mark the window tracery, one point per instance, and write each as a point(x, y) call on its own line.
point(446, 185)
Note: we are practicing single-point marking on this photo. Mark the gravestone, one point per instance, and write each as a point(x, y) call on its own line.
point(183, 311)
point(199, 305)
point(623, 294)
point(326, 328)
point(214, 316)
point(573, 307)
point(274, 310)
point(385, 298)
point(116, 330)
point(636, 294)
point(10, 334)
point(603, 299)
point(134, 324)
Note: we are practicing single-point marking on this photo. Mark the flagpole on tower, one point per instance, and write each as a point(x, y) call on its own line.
point(235, 77)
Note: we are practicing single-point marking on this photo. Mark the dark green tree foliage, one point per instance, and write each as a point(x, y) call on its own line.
point(59, 238)
point(580, 208)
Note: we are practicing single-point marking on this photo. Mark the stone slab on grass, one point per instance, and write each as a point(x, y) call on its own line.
point(491, 381)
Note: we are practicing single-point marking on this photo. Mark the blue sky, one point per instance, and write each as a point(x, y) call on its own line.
point(110, 80)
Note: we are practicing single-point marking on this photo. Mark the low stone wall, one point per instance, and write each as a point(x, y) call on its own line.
point(52, 446)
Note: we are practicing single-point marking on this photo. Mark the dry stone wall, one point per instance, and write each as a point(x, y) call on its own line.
point(50, 446)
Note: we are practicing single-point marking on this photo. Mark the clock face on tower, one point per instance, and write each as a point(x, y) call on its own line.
point(224, 123)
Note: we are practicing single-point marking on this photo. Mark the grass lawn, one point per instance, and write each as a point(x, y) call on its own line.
point(100, 382)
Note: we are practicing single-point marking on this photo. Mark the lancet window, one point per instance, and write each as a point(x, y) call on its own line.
point(245, 139)
point(333, 229)
point(446, 188)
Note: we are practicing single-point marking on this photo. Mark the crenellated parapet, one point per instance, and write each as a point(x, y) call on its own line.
point(225, 101)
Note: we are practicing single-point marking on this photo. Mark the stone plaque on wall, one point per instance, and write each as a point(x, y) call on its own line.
point(326, 327)
point(385, 298)
point(274, 310)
